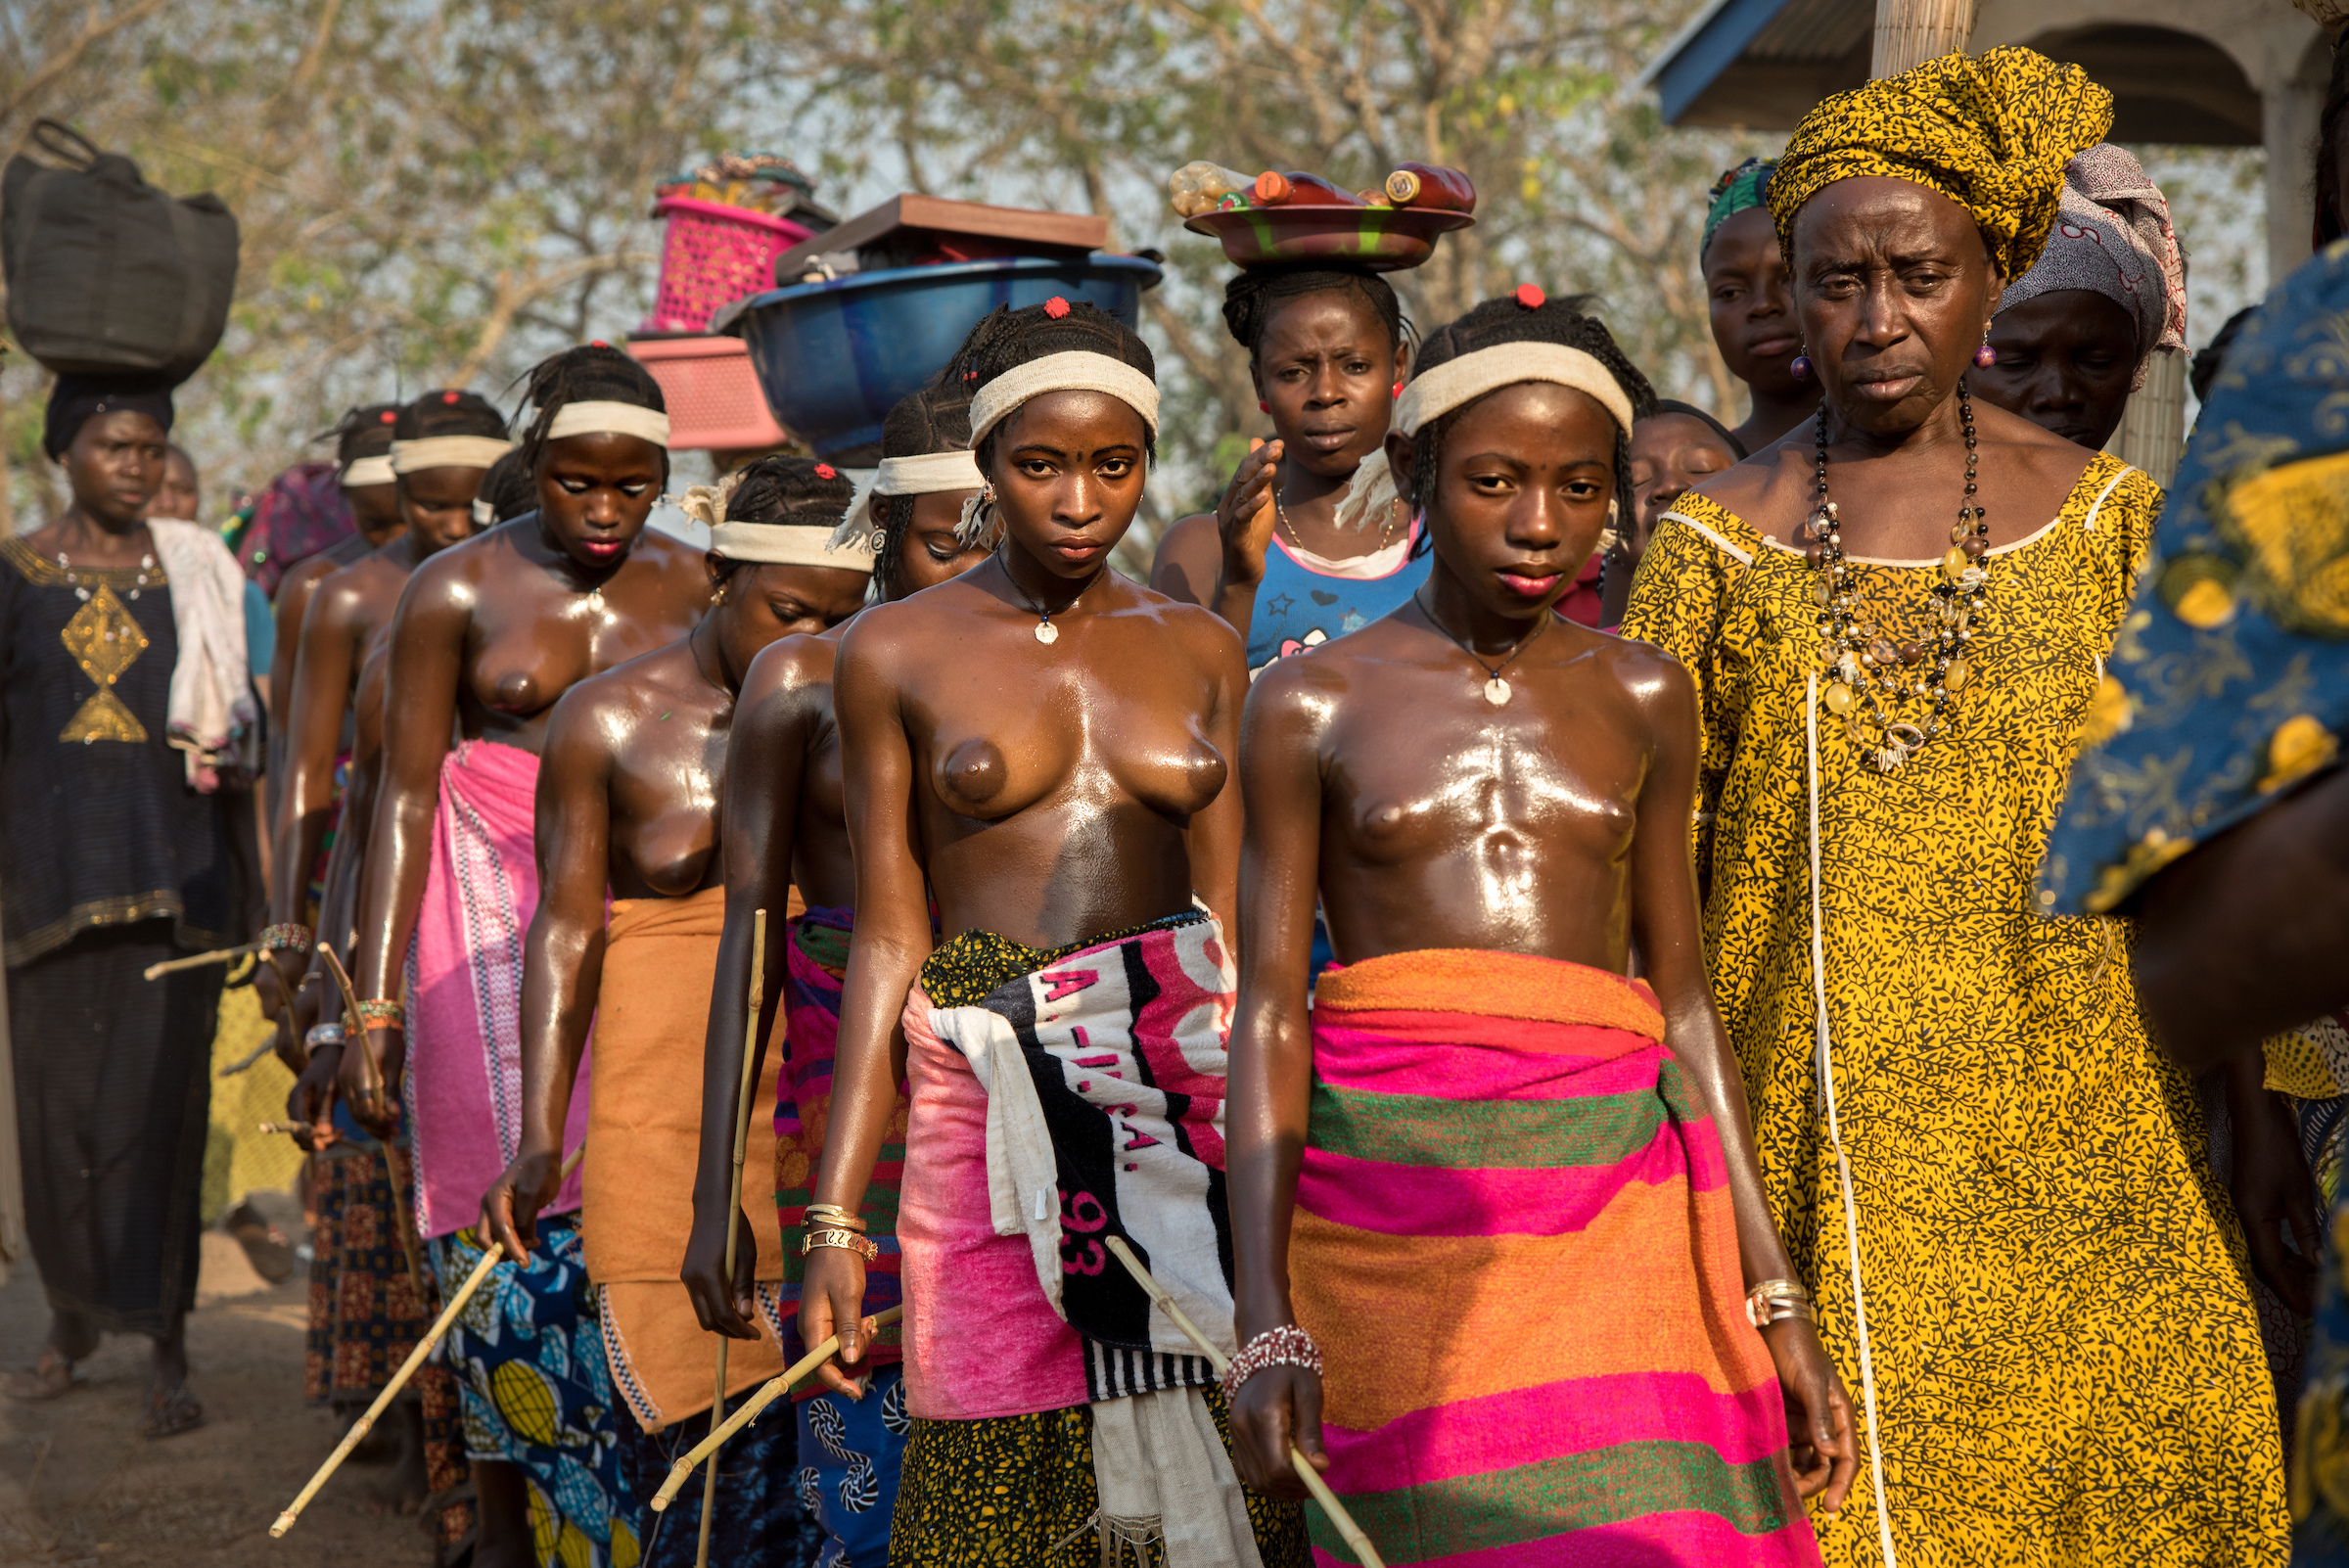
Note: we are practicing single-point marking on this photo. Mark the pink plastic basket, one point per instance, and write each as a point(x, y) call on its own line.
point(712, 257)
point(715, 400)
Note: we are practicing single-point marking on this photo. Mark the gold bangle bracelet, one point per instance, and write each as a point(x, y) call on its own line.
point(847, 1241)
point(831, 1213)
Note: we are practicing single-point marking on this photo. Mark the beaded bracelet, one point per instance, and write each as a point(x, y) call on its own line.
point(1774, 1301)
point(1285, 1346)
point(847, 1239)
point(382, 1012)
point(287, 936)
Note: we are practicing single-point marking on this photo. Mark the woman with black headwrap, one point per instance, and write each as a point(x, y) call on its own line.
point(1308, 541)
point(126, 739)
point(1993, 1185)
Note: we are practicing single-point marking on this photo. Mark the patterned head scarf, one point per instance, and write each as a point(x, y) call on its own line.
point(2113, 237)
point(1992, 132)
point(1745, 186)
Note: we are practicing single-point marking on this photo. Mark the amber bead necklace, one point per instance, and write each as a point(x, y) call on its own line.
point(1872, 677)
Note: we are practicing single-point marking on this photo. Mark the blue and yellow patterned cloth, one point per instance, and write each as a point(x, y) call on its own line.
point(528, 1353)
point(2230, 680)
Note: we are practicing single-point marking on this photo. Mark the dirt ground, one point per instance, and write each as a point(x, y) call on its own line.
point(79, 1486)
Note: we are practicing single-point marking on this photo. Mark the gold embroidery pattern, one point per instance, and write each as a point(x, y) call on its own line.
point(43, 572)
point(105, 641)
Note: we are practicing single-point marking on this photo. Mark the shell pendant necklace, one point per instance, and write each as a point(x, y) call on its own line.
point(1870, 674)
point(1496, 690)
point(1047, 632)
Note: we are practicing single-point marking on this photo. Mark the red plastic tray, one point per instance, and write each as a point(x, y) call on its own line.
point(716, 402)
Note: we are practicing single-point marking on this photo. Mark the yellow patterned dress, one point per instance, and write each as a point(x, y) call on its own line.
point(2065, 1357)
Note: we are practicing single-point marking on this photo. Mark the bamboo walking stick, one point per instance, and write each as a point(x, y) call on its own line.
point(742, 1135)
point(491, 1257)
point(354, 1028)
point(219, 955)
point(774, 1389)
point(1215, 1358)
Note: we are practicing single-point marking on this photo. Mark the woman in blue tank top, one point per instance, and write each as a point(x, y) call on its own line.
point(1333, 551)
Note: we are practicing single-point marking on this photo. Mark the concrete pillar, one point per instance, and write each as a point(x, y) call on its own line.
point(2153, 433)
point(2288, 112)
point(1909, 32)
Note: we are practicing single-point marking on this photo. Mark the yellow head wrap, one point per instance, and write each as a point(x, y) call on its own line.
point(1990, 132)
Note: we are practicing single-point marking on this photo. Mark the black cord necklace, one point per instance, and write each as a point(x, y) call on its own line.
point(1496, 690)
point(1047, 632)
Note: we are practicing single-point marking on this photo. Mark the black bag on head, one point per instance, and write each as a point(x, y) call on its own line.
point(106, 274)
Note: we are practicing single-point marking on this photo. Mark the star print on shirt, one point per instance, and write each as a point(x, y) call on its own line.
point(1281, 606)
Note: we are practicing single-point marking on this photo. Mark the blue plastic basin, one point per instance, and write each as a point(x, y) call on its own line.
point(834, 357)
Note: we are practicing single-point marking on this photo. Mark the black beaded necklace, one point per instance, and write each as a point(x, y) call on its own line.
point(1870, 675)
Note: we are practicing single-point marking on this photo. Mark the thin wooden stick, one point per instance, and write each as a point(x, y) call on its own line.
point(268, 1043)
point(774, 1389)
point(425, 1347)
point(1215, 1358)
point(354, 1028)
point(742, 1137)
point(219, 955)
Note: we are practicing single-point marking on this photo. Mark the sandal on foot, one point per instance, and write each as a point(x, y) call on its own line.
point(49, 1378)
point(170, 1414)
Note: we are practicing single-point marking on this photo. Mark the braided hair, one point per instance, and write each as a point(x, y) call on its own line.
point(507, 488)
point(1249, 299)
point(362, 432)
point(1006, 337)
point(786, 492)
point(592, 373)
point(445, 411)
point(935, 419)
point(1504, 320)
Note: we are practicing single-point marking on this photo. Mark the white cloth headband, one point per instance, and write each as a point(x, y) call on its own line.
point(609, 418)
point(449, 451)
point(1441, 388)
point(789, 544)
point(362, 470)
point(1077, 370)
point(928, 474)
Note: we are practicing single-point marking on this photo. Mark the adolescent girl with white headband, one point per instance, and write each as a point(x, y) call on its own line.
point(1492, 805)
point(786, 833)
point(488, 637)
point(440, 446)
point(1047, 748)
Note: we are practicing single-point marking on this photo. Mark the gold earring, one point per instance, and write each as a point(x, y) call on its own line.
point(719, 597)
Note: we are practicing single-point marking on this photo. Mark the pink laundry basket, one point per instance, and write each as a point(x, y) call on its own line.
point(712, 257)
point(716, 402)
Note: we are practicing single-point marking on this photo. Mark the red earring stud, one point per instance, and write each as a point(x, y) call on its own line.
point(1395, 391)
point(1262, 407)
